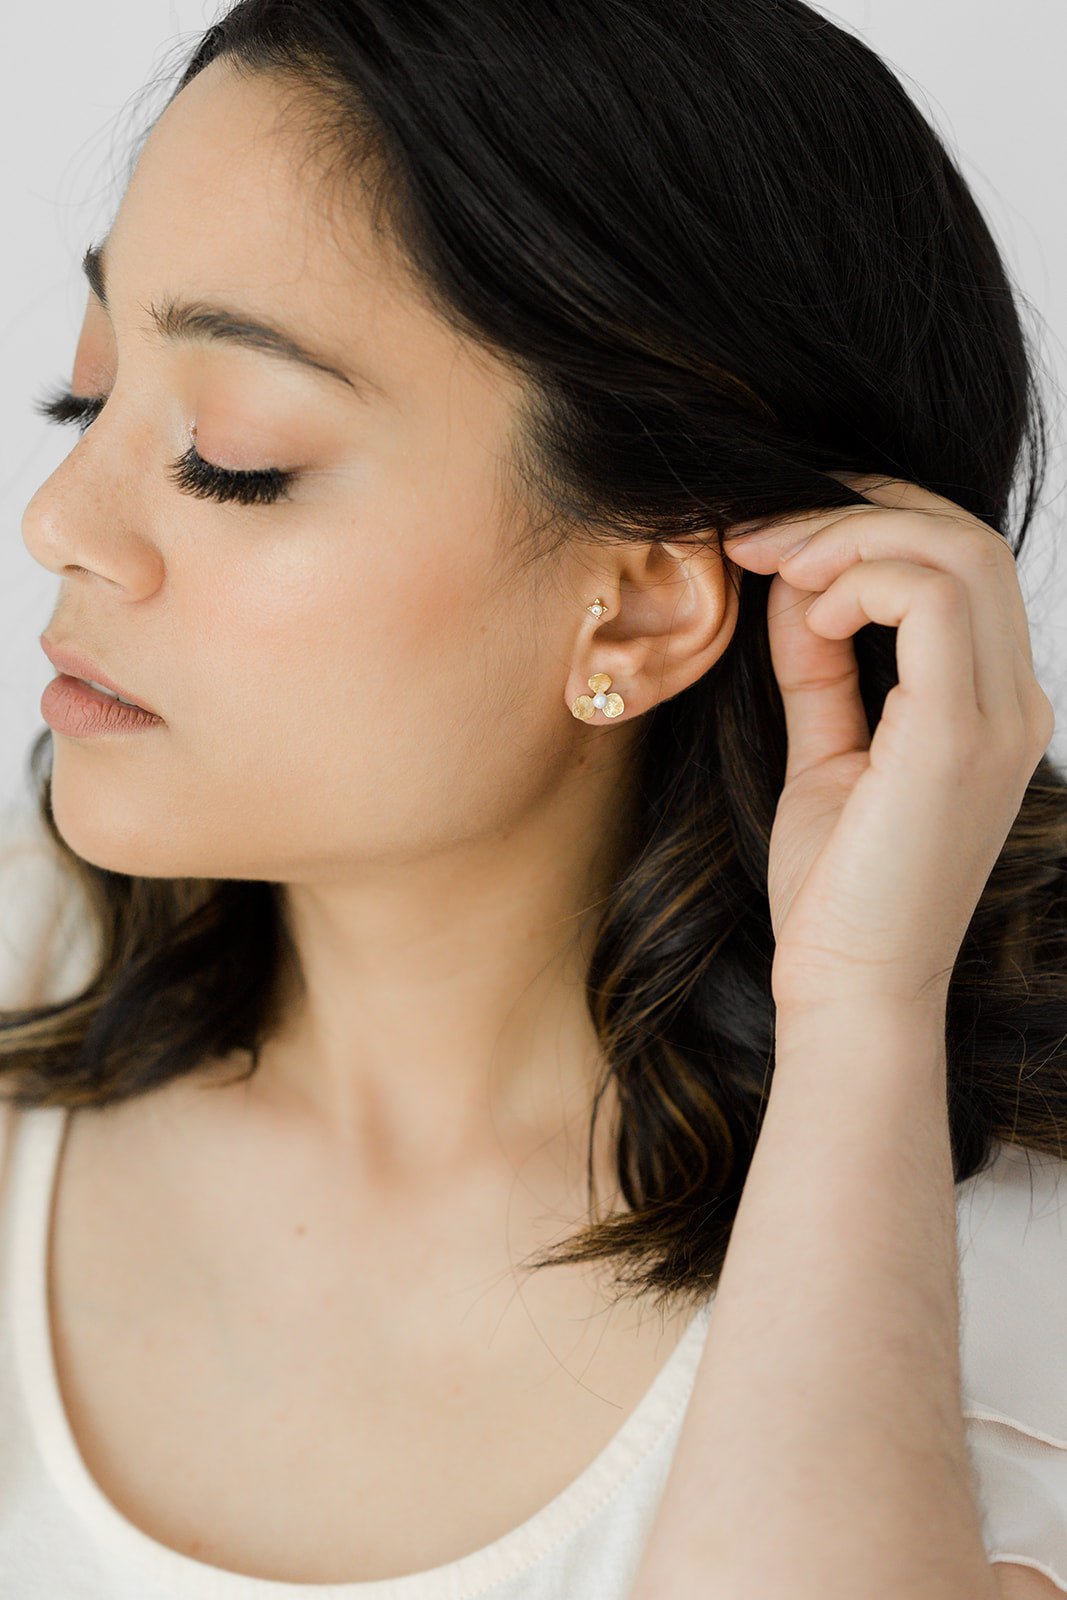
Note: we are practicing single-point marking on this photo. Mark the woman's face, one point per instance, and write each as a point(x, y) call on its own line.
point(360, 671)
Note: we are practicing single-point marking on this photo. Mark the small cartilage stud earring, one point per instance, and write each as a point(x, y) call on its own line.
point(598, 607)
point(587, 705)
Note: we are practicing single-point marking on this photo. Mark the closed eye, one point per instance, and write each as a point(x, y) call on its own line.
point(192, 474)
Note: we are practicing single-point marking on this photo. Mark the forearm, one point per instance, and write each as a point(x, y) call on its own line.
point(823, 1453)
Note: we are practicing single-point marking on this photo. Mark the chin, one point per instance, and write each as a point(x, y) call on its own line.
point(115, 837)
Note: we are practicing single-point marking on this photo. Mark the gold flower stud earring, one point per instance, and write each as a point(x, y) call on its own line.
point(585, 707)
point(610, 704)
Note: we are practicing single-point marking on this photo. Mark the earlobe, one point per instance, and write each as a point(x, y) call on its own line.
point(585, 708)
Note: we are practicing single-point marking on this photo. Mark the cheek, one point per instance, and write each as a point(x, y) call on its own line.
point(409, 688)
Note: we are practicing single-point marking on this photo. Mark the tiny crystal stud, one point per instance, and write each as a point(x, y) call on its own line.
point(598, 607)
point(587, 705)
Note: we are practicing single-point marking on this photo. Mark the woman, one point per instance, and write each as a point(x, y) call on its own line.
point(503, 905)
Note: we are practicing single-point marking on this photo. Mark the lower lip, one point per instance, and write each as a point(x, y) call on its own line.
point(70, 706)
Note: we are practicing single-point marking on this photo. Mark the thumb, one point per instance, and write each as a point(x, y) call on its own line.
point(819, 683)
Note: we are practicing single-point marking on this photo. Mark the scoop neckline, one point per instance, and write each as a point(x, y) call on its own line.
point(36, 1158)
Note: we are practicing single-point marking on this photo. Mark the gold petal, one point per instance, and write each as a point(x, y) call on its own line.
point(613, 705)
point(583, 708)
point(599, 681)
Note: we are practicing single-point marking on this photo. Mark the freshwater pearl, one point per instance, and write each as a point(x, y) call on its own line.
point(600, 701)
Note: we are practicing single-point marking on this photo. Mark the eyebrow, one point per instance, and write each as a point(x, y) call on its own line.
point(178, 320)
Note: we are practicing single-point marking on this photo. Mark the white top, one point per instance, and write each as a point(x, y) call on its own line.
point(60, 1535)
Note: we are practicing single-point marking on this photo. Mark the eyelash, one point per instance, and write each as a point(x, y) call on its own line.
point(190, 472)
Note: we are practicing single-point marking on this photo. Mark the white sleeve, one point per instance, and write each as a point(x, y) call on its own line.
point(1012, 1239)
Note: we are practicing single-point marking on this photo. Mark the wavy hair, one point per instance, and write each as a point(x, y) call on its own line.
point(729, 257)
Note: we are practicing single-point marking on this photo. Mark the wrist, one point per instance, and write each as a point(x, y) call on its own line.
point(930, 1004)
point(859, 1022)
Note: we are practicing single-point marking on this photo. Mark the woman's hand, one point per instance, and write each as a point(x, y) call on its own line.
point(881, 847)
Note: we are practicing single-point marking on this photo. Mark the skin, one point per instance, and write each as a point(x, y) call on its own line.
point(366, 696)
point(428, 1047)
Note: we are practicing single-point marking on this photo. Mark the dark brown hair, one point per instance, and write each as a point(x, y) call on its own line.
point(729, 257)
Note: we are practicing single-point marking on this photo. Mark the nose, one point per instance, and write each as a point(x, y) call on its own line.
point(77, 525)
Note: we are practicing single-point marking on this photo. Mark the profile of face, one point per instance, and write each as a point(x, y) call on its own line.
point(359, 671)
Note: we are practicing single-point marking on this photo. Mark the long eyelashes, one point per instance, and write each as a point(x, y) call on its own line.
point(199, 477)
point(190, 472)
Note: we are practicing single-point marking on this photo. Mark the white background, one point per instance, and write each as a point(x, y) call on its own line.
point(77, 91)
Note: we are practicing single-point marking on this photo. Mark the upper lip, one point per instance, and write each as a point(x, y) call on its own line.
point(77, 665)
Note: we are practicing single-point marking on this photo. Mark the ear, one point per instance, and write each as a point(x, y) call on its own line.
point(670, 613)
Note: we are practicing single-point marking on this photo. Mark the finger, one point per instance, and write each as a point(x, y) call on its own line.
point(819, 683)
point(899, 494)
point(760, 546)
point(976, 566)
point(968, 548)
point(896, 492)
point(935, 644)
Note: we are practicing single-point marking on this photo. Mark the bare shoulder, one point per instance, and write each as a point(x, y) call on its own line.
point(1023, 1583)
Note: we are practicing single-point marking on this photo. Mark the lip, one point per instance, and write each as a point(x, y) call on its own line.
point(77, 665)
